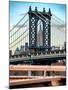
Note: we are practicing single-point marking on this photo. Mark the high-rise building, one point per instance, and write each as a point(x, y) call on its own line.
point(26, 46)
point(10, 53)
point(65, 45)
point(22, 48)
point(40, 37)
point(17, 51)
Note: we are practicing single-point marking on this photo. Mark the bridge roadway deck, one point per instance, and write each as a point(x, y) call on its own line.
point(40, 57)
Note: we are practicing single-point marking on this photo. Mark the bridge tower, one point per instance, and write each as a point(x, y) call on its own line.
point(34, 17)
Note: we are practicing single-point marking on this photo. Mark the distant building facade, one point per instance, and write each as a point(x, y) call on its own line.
point(26, 46)
point(17, 51)
point(22, 48)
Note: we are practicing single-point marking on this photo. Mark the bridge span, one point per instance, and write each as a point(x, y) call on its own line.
point(33, 58)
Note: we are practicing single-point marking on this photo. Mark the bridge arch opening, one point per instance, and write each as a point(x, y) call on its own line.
point(39, 33)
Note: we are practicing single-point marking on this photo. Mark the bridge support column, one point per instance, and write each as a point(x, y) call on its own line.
point(50, 52)
point(44, 73)
point(37, 54)
point(54, 52)
point(64, 52)
point(46, 53)
point(41, 53)
point(29, 73)
point(59, 52)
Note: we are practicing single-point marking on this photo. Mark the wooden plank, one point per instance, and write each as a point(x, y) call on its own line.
point(36, 68)
point(35, 80)
point(24, 77)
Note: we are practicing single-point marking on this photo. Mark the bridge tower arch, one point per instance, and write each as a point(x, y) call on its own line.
point(34, 17)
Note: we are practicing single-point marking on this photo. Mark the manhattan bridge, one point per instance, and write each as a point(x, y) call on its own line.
point(31, 38)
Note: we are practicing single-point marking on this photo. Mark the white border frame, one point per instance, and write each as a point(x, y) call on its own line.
point(4, 54)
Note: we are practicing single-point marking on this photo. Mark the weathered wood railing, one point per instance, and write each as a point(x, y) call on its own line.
point(29, 79)
point(35, 68)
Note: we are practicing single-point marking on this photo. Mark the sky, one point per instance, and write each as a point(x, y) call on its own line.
point(17, 9)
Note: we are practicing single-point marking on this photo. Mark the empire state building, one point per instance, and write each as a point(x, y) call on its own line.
point(40, 36)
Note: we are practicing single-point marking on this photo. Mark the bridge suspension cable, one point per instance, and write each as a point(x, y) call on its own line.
point(60, 23)
point(57, 18)
point(42, 18)
point(21, 38)
point(57, 22)
point(39, 16)
point(18, 22)
point(19, 28)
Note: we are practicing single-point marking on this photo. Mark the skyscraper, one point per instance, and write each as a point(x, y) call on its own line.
point(17, 51)
point(40, 36)
point(26, 46)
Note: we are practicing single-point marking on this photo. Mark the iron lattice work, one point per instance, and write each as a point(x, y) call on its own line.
point(34, 17)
